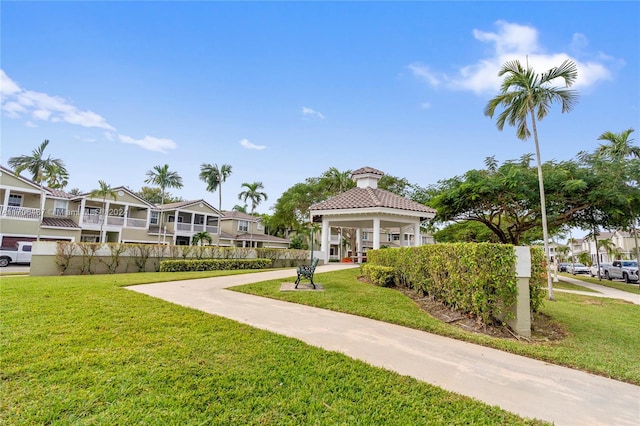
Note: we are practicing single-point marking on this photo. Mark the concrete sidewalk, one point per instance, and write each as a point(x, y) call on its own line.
point(602, 291)
point(521, 385)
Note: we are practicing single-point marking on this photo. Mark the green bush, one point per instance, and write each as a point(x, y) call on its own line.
point(383, 276)
point(475, 278)
point(213, 265)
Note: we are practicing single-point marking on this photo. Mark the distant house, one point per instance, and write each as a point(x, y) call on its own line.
point(244, 230)
point(182, 220)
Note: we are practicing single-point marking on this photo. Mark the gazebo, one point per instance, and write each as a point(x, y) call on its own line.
point(368, 207)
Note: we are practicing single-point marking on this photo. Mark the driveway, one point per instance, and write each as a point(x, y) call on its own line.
point(521, 385)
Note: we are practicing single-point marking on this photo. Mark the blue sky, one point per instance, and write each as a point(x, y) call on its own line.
point(282, 91)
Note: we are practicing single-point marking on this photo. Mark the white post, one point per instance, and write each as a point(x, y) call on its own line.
point(358, 245)
point(417, 241)
point(5, 203)
point(325, 239)
point(376, 233)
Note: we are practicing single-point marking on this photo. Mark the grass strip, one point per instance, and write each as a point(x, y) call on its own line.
point(82, 350)
point(603, 335)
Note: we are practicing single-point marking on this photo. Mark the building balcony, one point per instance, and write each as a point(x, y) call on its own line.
point(14, 212)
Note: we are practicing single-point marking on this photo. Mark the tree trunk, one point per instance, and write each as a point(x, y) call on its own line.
point(545, 234)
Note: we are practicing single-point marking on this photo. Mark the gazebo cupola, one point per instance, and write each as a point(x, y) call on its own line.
point(367, 177)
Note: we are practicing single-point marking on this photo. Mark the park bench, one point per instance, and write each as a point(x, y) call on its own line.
point(306, 271)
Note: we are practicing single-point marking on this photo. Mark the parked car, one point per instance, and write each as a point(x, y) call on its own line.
point(594, 269)
point(21, 253)
point(626, 270)
point(563, 266)
point(578, 268)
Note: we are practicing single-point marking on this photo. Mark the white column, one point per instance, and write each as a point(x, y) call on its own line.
point(103, 236)
point(126, 215)
point(83, 204)
point(325, 237)
point(5, 203)
point(376, 233)
point(193, 220)
point(358, 244)
point(417, 241)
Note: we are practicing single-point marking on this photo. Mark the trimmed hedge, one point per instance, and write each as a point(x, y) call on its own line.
point(383, 276)
point(475, 278)
point(213, 265)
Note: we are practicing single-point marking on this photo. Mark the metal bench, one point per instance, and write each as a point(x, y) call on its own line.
point(306, 271)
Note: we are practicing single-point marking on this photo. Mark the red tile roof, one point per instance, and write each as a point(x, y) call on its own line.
point(58, 222)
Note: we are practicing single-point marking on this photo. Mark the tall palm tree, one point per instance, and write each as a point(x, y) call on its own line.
point(103, 192)
point(525, 95)
point(214, 177)
point(337, 182)
point(163, 178)
point(199, 237)
point(39, 167)
point(253, 193)
point(620, 148)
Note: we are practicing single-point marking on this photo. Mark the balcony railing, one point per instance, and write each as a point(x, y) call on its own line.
point(136, 223)
point(20, 212)
point(197, 227)
point(115, 220)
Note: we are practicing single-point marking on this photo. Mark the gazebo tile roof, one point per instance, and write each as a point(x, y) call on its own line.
point(357, 198)
point(364, 170)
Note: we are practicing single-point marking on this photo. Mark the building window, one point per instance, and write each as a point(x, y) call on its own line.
point(396, 237)
point(243, 226)
point(89, 239)
point(60, 207)
point(154, 218)
point(173, 219)
point(365, 236)
point(15, 200)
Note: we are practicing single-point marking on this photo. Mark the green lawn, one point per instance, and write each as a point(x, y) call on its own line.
point(631, 288)
point(604, 337)
point(82, 350)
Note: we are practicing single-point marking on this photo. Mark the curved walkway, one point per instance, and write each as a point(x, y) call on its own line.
point(521, 385)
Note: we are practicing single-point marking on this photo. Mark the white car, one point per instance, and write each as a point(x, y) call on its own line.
point(579, 268)
point(593, 271)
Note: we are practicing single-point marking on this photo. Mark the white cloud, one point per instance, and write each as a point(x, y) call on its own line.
point(248, 145)
point(308, 112)
point(17, 102)
point(109, 136)
point(512, 41)
point(150, 143)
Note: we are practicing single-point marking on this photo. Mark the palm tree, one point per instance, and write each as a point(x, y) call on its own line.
point(337, 182)
point(239, 208)
point(619, 147)
point(201, 236)
point(103, 192)
point(39, 167)
point(163, 178)
point(214, 177)
point(253, 192)
point(526, 94)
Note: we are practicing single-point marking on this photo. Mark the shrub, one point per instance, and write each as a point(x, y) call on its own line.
point(382, 276)
point(213, 264)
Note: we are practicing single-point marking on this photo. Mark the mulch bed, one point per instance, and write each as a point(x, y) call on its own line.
point(544, 329)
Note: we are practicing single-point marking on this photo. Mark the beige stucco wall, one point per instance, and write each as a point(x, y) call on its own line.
point(71, 234)
point(18, 226)
point(137, 234)
point(11, 180)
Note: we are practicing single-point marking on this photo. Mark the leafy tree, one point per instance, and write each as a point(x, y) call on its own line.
point(620, 146)
point(155, 196)
point(505, 198)
point(469, 231)
point(199, 237)
point(75, 191)
point(526, 94)
point(254, 193)
point(40, 168)
point(335, 182)
point(214, 177)
point(56, 176)
point(103, 192)
point(163, 178)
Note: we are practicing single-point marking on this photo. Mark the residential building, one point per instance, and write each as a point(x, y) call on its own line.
point(240, 229)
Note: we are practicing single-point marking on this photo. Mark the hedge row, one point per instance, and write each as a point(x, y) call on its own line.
point(475, 278)
point(213, 265)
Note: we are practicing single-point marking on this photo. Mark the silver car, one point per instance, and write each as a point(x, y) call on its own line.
point(579, 268)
